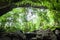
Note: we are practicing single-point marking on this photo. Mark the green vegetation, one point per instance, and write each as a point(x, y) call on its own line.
point(17, 19)
point(51, 4)
point(28, 19)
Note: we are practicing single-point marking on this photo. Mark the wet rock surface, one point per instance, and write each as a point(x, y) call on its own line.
point(36, 35)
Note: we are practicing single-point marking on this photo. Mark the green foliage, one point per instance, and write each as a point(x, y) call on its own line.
point(16, 19)
point(28, 19)
point(51, 4)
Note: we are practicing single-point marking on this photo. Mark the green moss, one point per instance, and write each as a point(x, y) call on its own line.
point(45, 20)
point(17, 19)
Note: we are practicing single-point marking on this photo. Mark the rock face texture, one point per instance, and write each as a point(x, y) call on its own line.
point(18, 35)
point(36, 35)
point(46, 35)
point(41, 35)
point(57, 33)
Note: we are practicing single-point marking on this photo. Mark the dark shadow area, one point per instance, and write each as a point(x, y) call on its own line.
point(38, 35)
